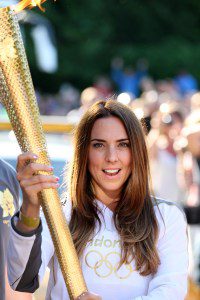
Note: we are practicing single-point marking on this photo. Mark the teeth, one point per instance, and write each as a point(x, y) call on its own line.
point(111, 171)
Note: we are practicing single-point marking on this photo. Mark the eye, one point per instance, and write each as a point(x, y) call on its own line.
point(97, 145)
point(124, 144)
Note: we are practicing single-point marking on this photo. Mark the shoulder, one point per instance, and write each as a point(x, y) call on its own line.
point(8, 178)
point(7, 173)
point(6, 168)
point(9, 189)
point(166, 207)
point(168, 213)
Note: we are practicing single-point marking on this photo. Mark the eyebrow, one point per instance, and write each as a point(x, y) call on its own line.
point(100, 140)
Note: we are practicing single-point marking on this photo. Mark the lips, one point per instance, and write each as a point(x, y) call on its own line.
point(111, 172)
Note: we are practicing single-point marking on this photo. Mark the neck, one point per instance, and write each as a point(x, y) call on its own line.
point(110, 199)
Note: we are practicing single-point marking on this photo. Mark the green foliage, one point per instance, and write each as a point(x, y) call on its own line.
point(90, 33)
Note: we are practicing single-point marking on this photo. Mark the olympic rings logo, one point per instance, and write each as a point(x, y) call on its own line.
point(104, 267)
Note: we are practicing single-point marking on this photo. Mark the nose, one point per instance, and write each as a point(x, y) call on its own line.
point(111, 154)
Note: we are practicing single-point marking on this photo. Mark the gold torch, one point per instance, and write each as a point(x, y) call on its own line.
point(18, 97)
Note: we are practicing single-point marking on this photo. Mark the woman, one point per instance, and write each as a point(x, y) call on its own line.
point(130, 245)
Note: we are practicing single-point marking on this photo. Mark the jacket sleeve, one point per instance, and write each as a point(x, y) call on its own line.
point(170, 281)
point(28, 256)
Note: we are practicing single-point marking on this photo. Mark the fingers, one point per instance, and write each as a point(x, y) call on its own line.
point(27, 174)
point(24, 158)
point(35, 184)
point(26, 166)
point(31, 182)
point(39, 180)
point(31, 169)
point(34, 189)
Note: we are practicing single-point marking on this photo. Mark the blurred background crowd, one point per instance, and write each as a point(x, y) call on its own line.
point(169, 110)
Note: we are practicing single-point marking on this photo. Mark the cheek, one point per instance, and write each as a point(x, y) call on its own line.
point(94, 160)
point(127, 159)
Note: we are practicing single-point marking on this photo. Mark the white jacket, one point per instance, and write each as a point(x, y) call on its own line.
point(27, 264)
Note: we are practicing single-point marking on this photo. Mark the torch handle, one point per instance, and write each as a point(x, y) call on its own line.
point(63, 243)
point(18, 97)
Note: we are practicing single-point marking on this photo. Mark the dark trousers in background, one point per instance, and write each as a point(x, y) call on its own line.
point(193, 218)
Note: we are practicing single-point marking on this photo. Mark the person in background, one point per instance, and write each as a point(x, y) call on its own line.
point(186, 83)
point(9, 203)
point(163, 156)
point(127, 79)
point(88, 97)
point(103, 86)
point(191, 172)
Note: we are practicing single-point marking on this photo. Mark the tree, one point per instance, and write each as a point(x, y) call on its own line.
point(90, 33)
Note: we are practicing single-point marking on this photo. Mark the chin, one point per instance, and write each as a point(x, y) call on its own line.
point(112, 189)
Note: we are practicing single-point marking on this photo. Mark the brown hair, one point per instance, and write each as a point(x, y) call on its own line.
point(134, 216)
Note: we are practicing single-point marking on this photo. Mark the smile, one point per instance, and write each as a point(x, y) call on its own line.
point(111, 172)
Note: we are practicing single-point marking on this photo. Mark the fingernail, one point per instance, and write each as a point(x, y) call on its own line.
point(50, 168)
point(57, 184)
point(57, 178)
point(35, 156)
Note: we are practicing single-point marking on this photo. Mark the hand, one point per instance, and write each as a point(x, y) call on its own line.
point(89, 296)
point(31, 183)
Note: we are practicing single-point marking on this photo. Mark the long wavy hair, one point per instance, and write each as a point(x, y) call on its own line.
point(134, 216)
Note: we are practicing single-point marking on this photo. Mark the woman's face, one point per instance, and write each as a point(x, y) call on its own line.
point(109, 160)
